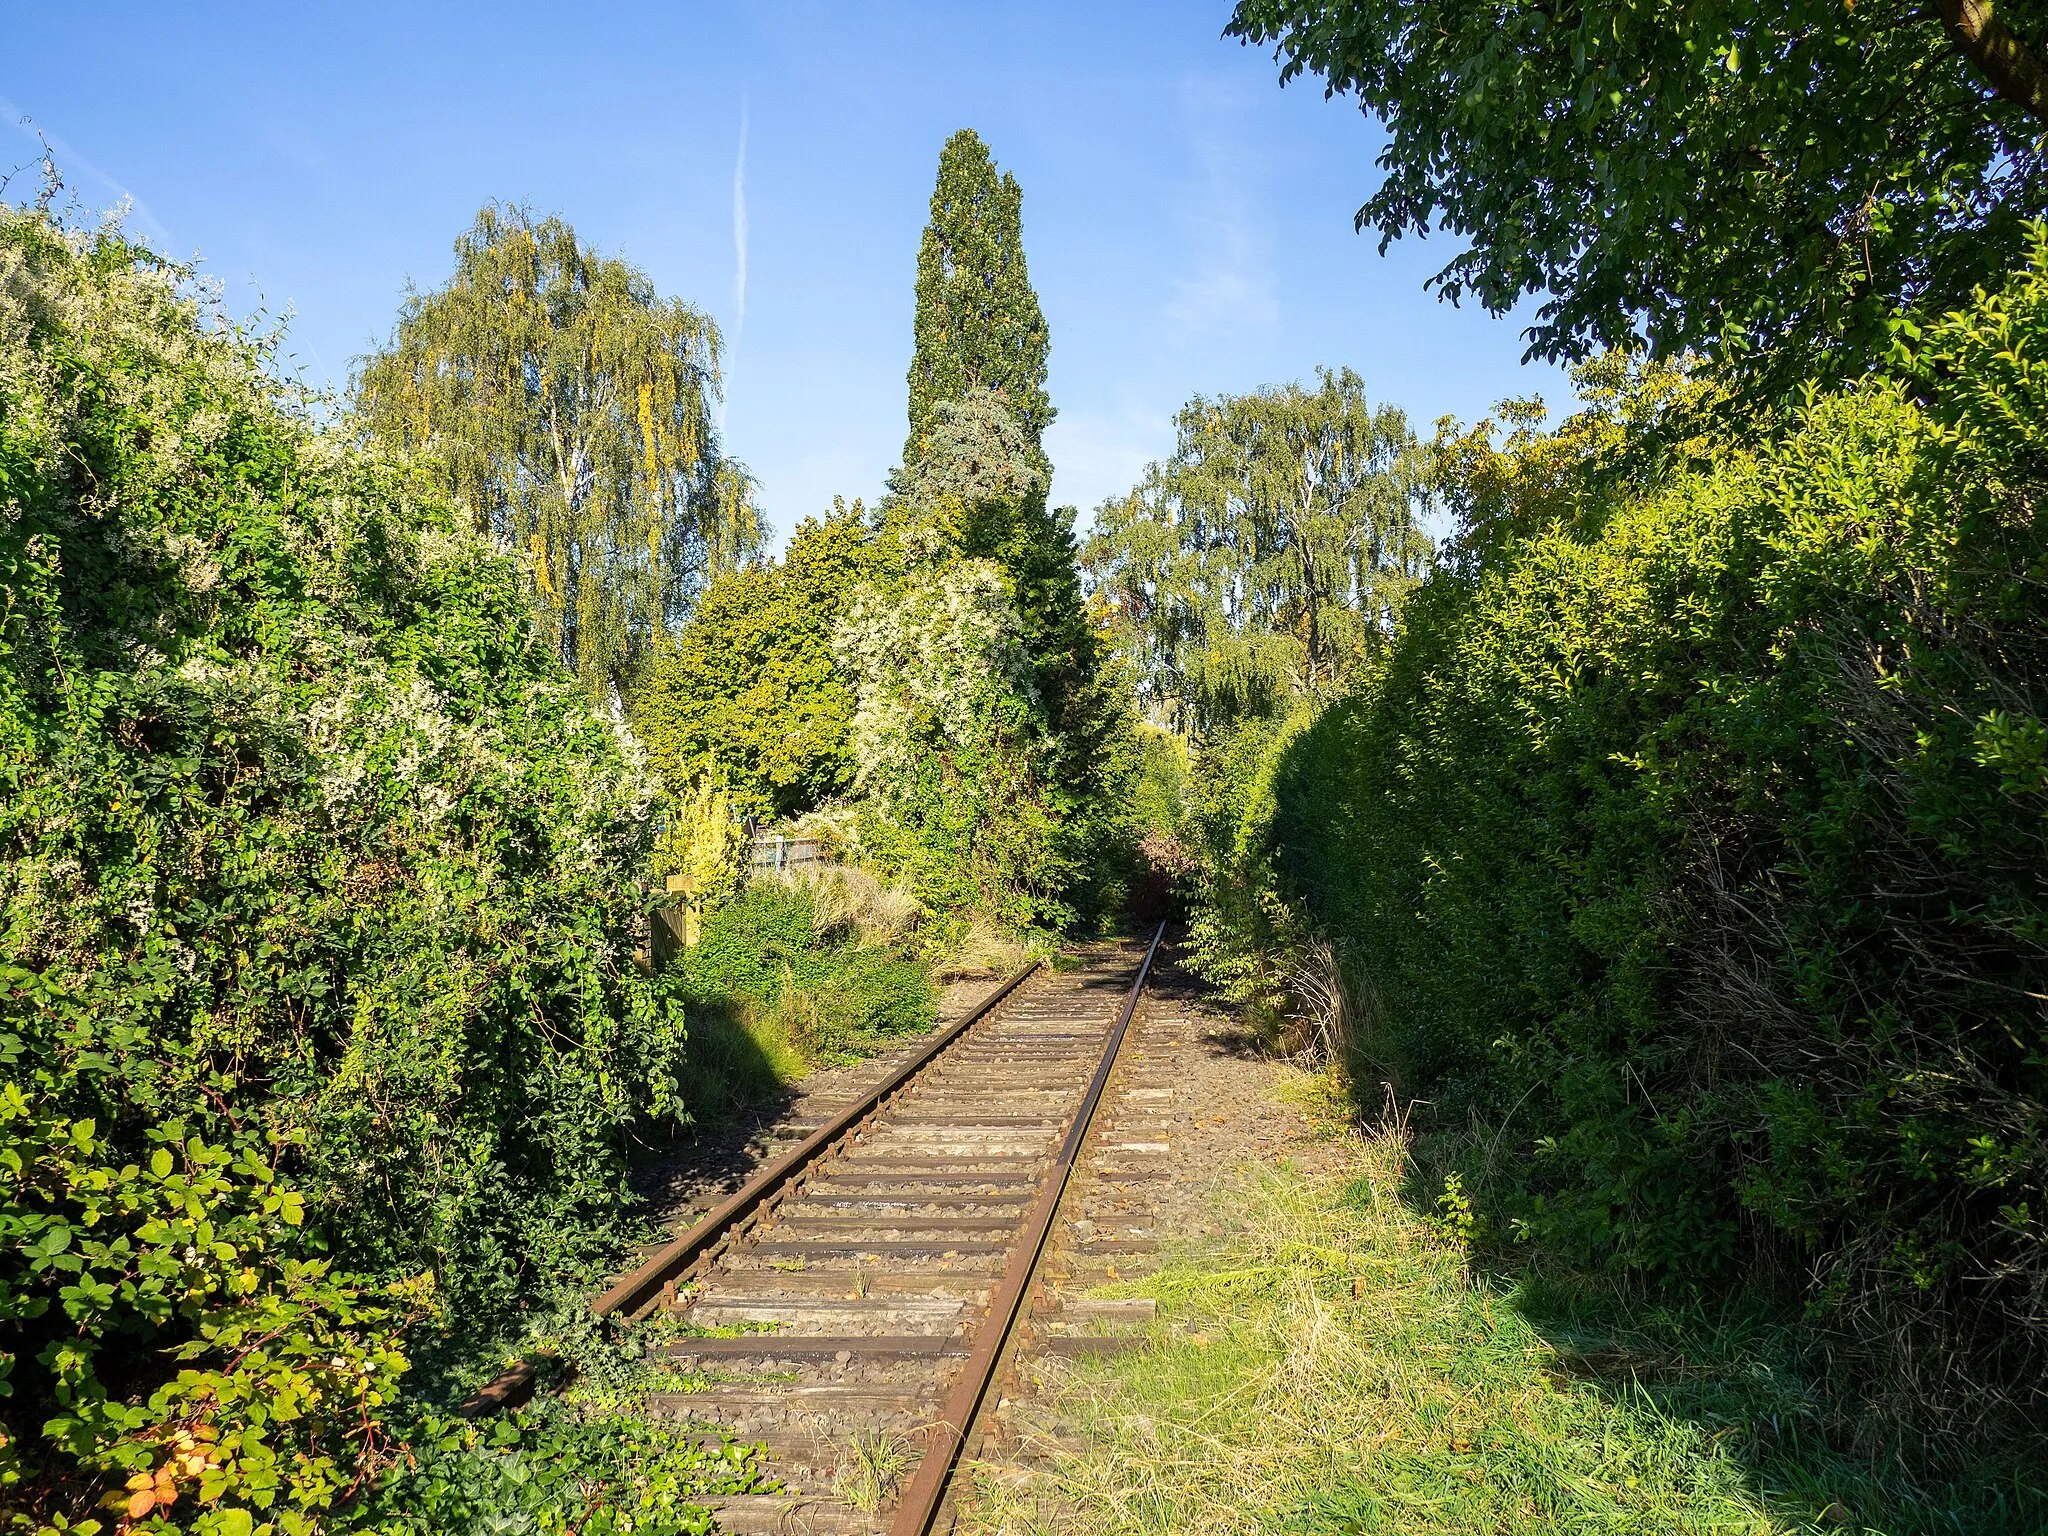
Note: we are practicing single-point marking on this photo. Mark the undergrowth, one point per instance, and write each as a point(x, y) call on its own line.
point(1333, 1365)
point(775, 987)
point(552, 1469)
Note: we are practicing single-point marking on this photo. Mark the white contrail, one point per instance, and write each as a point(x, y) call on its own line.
point(739, 230)
point(69, 159)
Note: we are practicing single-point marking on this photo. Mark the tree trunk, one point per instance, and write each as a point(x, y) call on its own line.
point(2003, 60)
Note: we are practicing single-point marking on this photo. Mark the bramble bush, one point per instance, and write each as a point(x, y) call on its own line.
point(1687, 855)
point(318, 891)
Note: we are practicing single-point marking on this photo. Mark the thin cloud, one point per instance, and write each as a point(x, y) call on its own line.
point(71, 164)
point(739, 263)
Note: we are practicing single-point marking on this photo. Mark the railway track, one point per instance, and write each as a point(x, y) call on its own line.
point(889, 1258)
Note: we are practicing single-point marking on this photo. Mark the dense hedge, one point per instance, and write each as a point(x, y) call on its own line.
point(1690, 862)
point(317, 897)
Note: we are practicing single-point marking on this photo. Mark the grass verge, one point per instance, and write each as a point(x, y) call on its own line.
point(787, 978)
point(1332, 1365)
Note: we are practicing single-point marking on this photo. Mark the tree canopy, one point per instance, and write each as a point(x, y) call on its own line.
point(749, 691)
point(1260, 561)
point(565, 405)
point(1769, 184)
point(978, 323)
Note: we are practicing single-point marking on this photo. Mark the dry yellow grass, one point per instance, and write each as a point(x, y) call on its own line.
point(847, 900)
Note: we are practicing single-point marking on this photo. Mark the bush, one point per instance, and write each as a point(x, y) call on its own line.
point(992, 740)
point(1690, 859)
point(1241, 931)
point(748, 692)
point(317, 887)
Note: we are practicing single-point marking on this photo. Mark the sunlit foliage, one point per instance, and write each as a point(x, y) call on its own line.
point(749, 692)
point(566, 407)
point(317, 907)
point(978, 325)
point(984, 734)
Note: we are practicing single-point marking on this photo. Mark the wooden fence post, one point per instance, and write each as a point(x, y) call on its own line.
point(676, 928)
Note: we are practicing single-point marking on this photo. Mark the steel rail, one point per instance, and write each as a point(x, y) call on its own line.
point(927, 1490)
point(637, 1292)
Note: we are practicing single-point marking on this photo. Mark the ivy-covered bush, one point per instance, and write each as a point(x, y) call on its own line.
point(317, 907)
point(1688, 857)
point(992, 738)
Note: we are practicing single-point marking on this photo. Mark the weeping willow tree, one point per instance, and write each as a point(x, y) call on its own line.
point(566, 406)
point(1263, 560)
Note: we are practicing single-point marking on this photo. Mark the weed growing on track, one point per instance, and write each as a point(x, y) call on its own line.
point(870, 1469)
point(1333, 1366)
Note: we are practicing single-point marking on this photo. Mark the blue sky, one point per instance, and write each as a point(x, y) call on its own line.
point(1188, 222)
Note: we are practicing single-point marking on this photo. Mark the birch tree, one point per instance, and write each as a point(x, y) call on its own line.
point(566, 407)
point(1267, 556)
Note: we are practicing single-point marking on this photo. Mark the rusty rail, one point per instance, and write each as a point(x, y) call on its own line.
point(637, 1292)
point(927, 1490)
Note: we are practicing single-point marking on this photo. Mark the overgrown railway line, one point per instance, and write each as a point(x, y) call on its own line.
point(889, 1257)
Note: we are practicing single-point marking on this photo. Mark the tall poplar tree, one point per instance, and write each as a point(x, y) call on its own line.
point(566, 406)
point(978, 321)
point(985, 729)
point(976, 380)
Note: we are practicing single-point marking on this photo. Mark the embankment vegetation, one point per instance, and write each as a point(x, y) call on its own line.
point(319, 901)
point(1671, 842)
point(798, 973)
point(1687, 856)
point(1328, 1363)
point(344, 747)
point(1676, 859)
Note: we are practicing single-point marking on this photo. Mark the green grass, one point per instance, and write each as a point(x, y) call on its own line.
point(770, 998)
point(1333, 1366)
